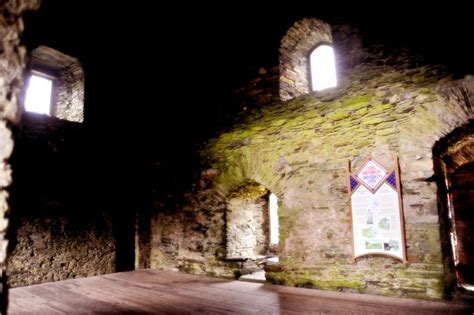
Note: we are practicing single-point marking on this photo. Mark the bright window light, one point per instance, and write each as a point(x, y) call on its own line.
point(274, 234)
point(468, 287)
point(38, 95)
point(323, 68)
point(454, 247)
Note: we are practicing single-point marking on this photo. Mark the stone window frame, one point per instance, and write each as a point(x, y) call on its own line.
point(295, 46)
point(69, 87)
point(47, 74)
point(308, 63)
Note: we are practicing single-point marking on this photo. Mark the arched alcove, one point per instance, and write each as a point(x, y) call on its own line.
point(454, 160)
point(461, 194)
point(251, 227)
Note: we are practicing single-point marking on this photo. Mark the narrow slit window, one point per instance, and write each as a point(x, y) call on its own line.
point(273, 205)
point(323, 68)
point(38, 95)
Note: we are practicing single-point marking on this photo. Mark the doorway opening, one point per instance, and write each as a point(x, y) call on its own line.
point(454, 164)
point(460, 206)
point(252, 230)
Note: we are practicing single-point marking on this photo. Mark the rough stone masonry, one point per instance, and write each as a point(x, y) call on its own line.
point(387, 102)
point(12, 62)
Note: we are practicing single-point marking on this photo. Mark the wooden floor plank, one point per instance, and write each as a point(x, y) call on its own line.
point(159, 292)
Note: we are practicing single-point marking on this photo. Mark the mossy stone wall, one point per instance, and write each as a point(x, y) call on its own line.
point(387, 103)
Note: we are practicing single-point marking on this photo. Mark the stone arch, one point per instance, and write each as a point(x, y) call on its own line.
point(454, 165)
point(450, 106)
point(248, 230)
point(295, 47)
point(246, 166)
point(250, 222)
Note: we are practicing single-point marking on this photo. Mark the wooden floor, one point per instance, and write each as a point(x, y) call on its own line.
point(159, 292)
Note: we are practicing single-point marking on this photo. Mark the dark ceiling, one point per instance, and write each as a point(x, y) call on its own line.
point(168, 68)
point(159, 75)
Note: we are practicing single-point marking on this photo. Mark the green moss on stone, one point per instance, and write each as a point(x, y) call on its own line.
point(357, 106)
point(426, 90)
point(385, 132)
point(338, 116)
point(306, 133)
point(227, 137)
point(294, 123)
point(246, 134)
point(373, 121)
point(362, 111)
point(362, 144)
point(358, 99)
point(342, 142)
point(318, 120)
point(380, 108)
point(327, 126)
point(192, 268)
point(307, 280)
point(278, 122)
point(418, 78)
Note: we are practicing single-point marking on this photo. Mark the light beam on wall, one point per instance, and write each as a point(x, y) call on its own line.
point(323, 68)
point(38, 95)
point(274, 234)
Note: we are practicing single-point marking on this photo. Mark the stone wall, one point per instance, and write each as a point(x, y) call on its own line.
point(12, 63)
point(70, 93)
point(386, 103)
point(450, 154)
point(60, 228)
point(190, 236)
point(51, 247)
point(248, 222)
point(260, 91)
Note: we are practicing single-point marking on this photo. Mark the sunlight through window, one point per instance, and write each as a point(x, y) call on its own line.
point(38, 95)
point(323, 68)
point(274, 237)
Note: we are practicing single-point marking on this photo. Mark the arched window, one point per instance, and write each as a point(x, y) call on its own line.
point(322, 68)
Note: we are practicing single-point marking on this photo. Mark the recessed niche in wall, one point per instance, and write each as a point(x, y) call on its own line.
point(56, 81)
point(252, 229)
point(301, 43)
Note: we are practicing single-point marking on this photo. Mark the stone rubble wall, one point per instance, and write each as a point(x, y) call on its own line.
point(260, 91)
point(70, 93)
point(191, 237)
point(12, 63)
point(386, 103)
point(299, 149)
point(52, 247)
point(248, 222)
point(58, 230)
